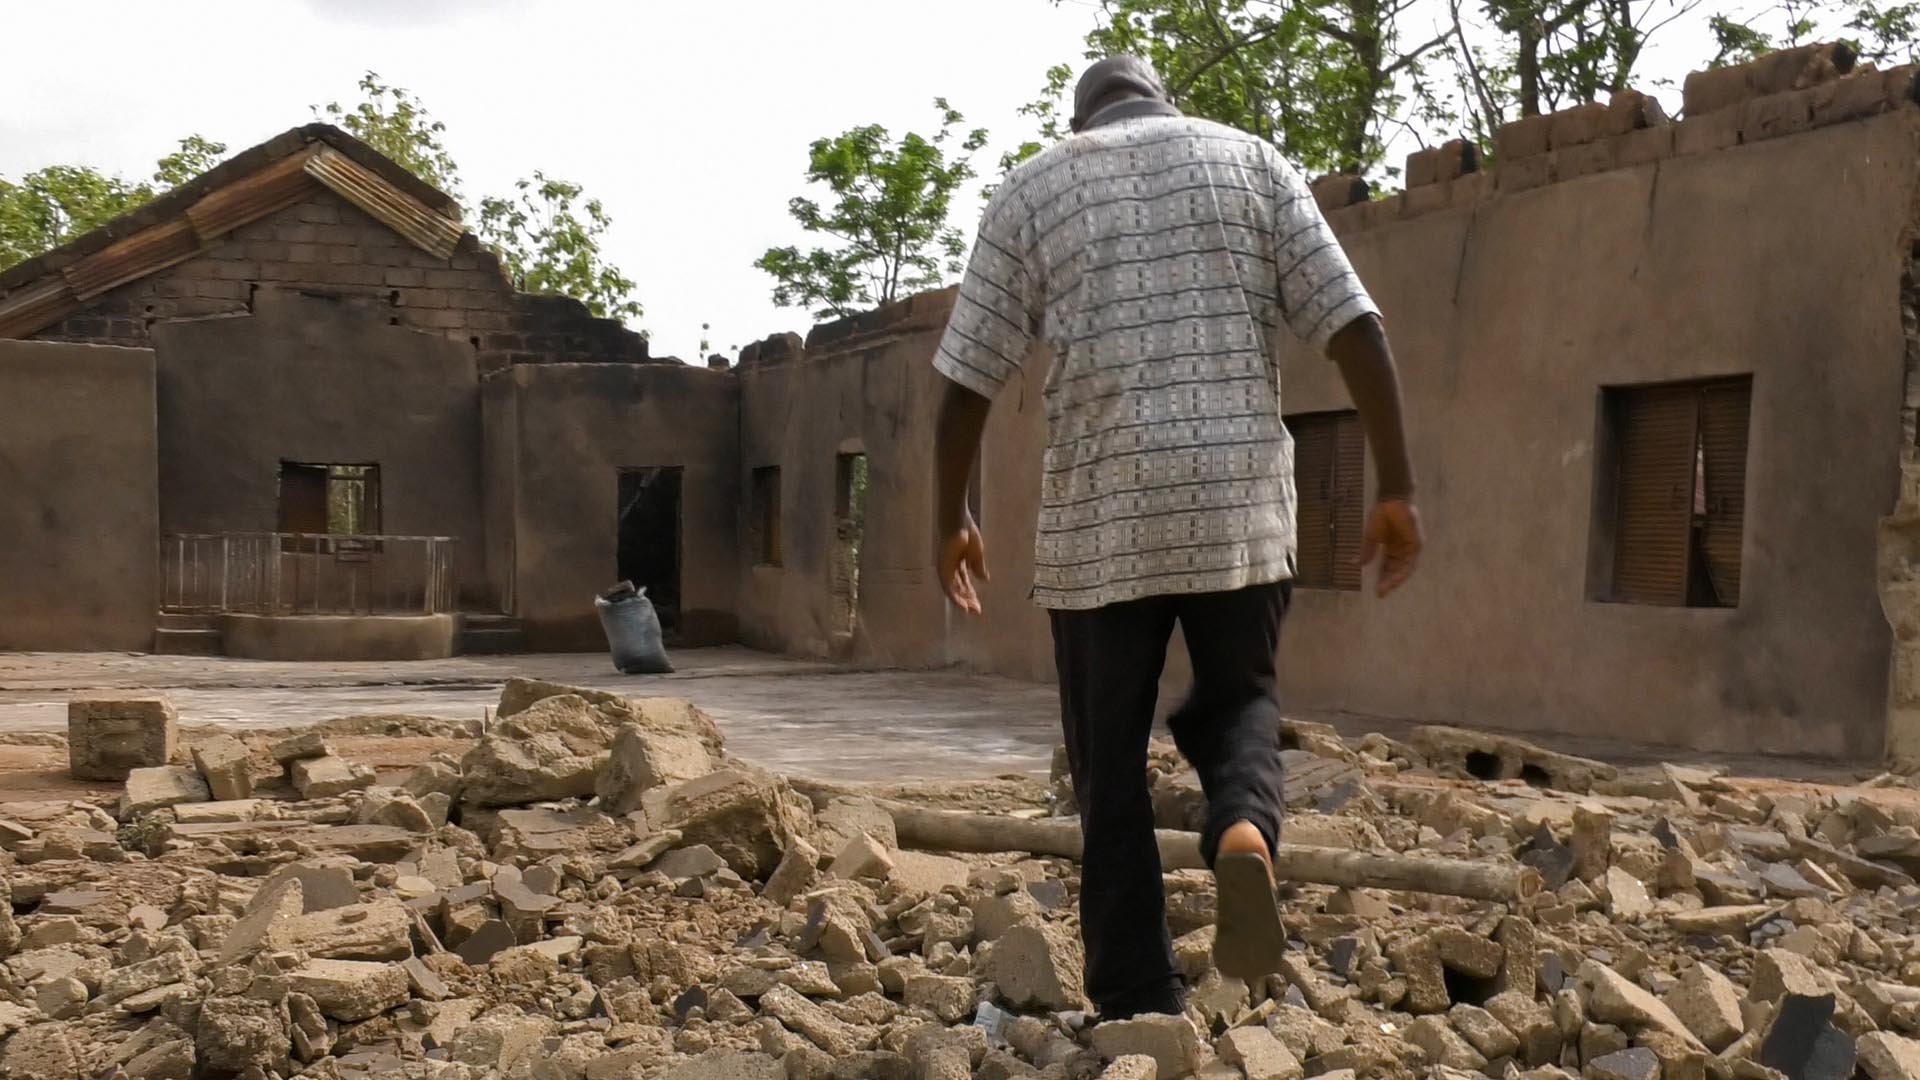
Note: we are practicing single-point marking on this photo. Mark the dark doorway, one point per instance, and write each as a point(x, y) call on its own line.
point(649, 537)
point(850, 524)
point(329, 500)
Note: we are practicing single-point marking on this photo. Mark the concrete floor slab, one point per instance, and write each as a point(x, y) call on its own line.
point(797, 716)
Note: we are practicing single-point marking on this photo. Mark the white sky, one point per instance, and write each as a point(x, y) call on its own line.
point(689, 121)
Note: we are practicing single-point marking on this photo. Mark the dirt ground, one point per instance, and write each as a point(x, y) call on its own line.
point(799, 717)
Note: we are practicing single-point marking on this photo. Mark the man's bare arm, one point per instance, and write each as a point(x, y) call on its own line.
point(1393, 527)
point(960, 553)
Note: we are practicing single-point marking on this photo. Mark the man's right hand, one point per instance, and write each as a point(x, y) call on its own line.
point(1393, 533)
point(963, 559)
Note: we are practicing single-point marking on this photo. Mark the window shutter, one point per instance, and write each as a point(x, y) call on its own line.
point(1658, 433)
point(1348, 512)
point(1313, 480)
point(1724, 410)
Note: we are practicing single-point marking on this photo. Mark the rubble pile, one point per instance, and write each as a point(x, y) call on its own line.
point(594, 890)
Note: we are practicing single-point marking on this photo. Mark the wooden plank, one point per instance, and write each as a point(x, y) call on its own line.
point(1656, 433)
point(251, 198)
point(431, 232)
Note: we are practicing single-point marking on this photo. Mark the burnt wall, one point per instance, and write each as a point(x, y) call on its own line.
point(79, 524)
point(318, 380)
point(1618, 252)
point(568, 430)
point(325, 244)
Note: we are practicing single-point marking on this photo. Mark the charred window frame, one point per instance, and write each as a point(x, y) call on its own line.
point(1329, 481)
point(1670, 493)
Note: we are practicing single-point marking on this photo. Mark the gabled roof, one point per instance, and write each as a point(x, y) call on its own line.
point(178, 225)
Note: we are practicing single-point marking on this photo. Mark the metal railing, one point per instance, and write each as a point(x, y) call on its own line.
point(306, 574)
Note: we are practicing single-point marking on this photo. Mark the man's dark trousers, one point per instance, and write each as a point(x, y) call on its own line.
point(1110, 661)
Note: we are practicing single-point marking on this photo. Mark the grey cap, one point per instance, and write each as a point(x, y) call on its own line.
point(1111, 76)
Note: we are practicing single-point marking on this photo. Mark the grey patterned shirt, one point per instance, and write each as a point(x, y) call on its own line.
point(1158, 258)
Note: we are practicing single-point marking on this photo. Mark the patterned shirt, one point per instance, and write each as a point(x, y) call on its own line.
point(1158, 258)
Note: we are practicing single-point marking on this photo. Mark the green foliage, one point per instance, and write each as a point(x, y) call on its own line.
point(1886, 34)
point(195, 156)
point(889, 209)
point(50, 206)
point(391, 120)
point(1324, 79)
point(549, 239)
point(1880, 33)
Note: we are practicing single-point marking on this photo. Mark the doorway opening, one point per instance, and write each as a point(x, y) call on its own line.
point(849, 529)
point(649, 537)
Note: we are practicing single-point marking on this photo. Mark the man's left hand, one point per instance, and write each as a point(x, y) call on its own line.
point(963, 559)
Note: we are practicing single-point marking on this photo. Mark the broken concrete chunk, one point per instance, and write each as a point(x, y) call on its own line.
point(862, 857)
point(1171, 1041)
point(325, 777)
point(743, 814)
point(1259, 1055)
point(1708, 1003)
point(1615, 999)
point(108, 738)
point(948, 997)
point(643, 758)
point(845, 818)
point(223, 761)
point(307, 744)
point(1532, 1023)
point(1803, 1043)
point(351, 989)
point(160, 786)
point(1442, 1045)
point(1633, 1063)
point(834, 1036)
point(1886, 1056)
point(728, 1065)
point(1483, 1031)
point(1777, 972)
point(381, 930)
point(1038, 965)
point(1132, 1067)
point(554, 749)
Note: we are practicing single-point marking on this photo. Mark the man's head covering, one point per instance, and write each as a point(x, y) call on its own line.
point(1115, 77)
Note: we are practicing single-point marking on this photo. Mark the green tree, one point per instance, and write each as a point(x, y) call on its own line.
point(549, 238)
point(1326, 80)
point(391, 120)
point(1881, 33)
point(52, 205)
point(889, 207)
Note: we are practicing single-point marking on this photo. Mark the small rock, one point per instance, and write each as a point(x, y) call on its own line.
point(1886, 1056)
point(862, 856)
point(1483, 1031)
point(1634, 1063)
point(1616, 1000)
point(798, 867)
point(1709, 1005)
point(1132, 1067)
point(325, 777)
point(1442, 1044)
point(1038, 964)
point(1626, 896)
point(307, 744)
point(1259, 1055)
point(948, 997)
point(1171, 1041)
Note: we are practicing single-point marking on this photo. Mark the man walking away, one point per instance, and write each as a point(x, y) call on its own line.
point(1159, 258)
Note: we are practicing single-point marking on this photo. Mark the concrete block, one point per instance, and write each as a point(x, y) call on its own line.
point(1885, 1056)
point(163, 786)
point(1423, 167)
point(1710, 91)
point(862, 856)
point(1708, 1003)
point(351, 990)
point(1469, 189)
point(1900, 86)
point(1631, 110)
point(1425, 200)
point(1597, 156)
point(324, 777)
point(1522, 138)
point(1511, 175)
point(1338, 190)
point(1458, 157)
point(1576, 126)
point(223, 760)
point(307, 744)
point(107, 738)
point(1170, 1041)
point(1644, 145)
point(1713, 131)
point(1778, 114)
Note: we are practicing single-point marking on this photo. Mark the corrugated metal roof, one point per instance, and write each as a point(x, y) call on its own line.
point(251, 198)
point(31, 309)
point(137, 256)
point(429, 231)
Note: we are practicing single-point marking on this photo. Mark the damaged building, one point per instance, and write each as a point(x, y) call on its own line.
point(1659, 378)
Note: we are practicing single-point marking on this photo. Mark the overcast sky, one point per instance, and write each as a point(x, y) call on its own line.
point(689, 121)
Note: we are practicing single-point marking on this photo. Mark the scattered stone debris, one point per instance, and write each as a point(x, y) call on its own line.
point(595, 891)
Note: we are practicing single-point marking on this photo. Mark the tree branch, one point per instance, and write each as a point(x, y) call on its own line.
point(1416, 54)
point(1186, 81)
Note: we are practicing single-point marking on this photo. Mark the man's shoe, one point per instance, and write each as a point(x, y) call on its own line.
point(1248, 938)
